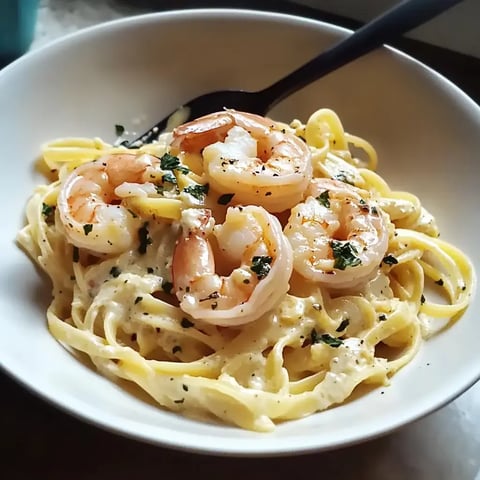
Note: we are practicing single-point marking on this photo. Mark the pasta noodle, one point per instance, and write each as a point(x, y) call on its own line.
point(247, 287)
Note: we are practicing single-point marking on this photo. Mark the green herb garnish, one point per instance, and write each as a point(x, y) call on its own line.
point(225, 199)
point(331, 341)
point(324, 199)
point(170, 162)
point(344, 254)
point(261, 266)
point(342, 177)
point(325, 338)
point(47, 210)
point(197, 191)
point(170, 178)
point(87, 228)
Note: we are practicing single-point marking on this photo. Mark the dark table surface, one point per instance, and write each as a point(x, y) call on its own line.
point(39, 441)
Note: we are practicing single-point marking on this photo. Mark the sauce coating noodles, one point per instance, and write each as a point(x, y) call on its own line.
point(240, 269)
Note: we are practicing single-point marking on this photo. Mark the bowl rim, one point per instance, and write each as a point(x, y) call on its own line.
point(234, 447)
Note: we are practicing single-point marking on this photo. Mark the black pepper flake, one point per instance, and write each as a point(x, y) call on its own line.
point(382, 317)
point(185, 388)
point(144, 238)
point(225, 199)
point(150, 270)
point(138, 300)
point(389, 260)
point(167, 287)
point(179, 401)
point(422, 299)
point(212, 296)
point(186, 323)
point(76, 255)
point(176, 349)
point(439, 282)
point(133, 337)
point(115, 271)
point(343, 325)
point(119, 130)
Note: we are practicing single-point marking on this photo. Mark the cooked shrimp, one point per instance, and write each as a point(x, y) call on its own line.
point(338, 234)
point(90, 205)
point(248, 156)
point(252, 242)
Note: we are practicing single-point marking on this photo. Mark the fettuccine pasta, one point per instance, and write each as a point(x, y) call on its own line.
point(240, 269)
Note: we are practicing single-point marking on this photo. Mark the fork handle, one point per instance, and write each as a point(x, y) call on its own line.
point(394, 22)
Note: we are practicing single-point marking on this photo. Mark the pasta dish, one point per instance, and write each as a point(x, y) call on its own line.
point(239, 268)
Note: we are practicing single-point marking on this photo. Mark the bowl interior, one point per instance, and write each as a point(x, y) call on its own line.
point(136, 70)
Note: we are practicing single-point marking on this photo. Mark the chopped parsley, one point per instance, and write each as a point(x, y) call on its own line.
point(261, 265)
point(115, 271)
point(119, 130)
point(324, 199)
point(170, 162)
point(87, 228)
point(389, 260)
point(225, 199)
point(325, 338)
point(342, 177)
point(186, 323)
point(144, 238)
point(167, 287)
point(169, 177)
point(344, 254)
point(47, 210)
point(197, 191)
point(343, 325)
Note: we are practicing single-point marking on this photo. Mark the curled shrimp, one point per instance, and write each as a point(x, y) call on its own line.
point(249, 157)
point(253, 248)
point(338, 234)
point(90, 207)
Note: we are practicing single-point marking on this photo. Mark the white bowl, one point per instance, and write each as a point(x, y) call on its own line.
point(423, 127)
